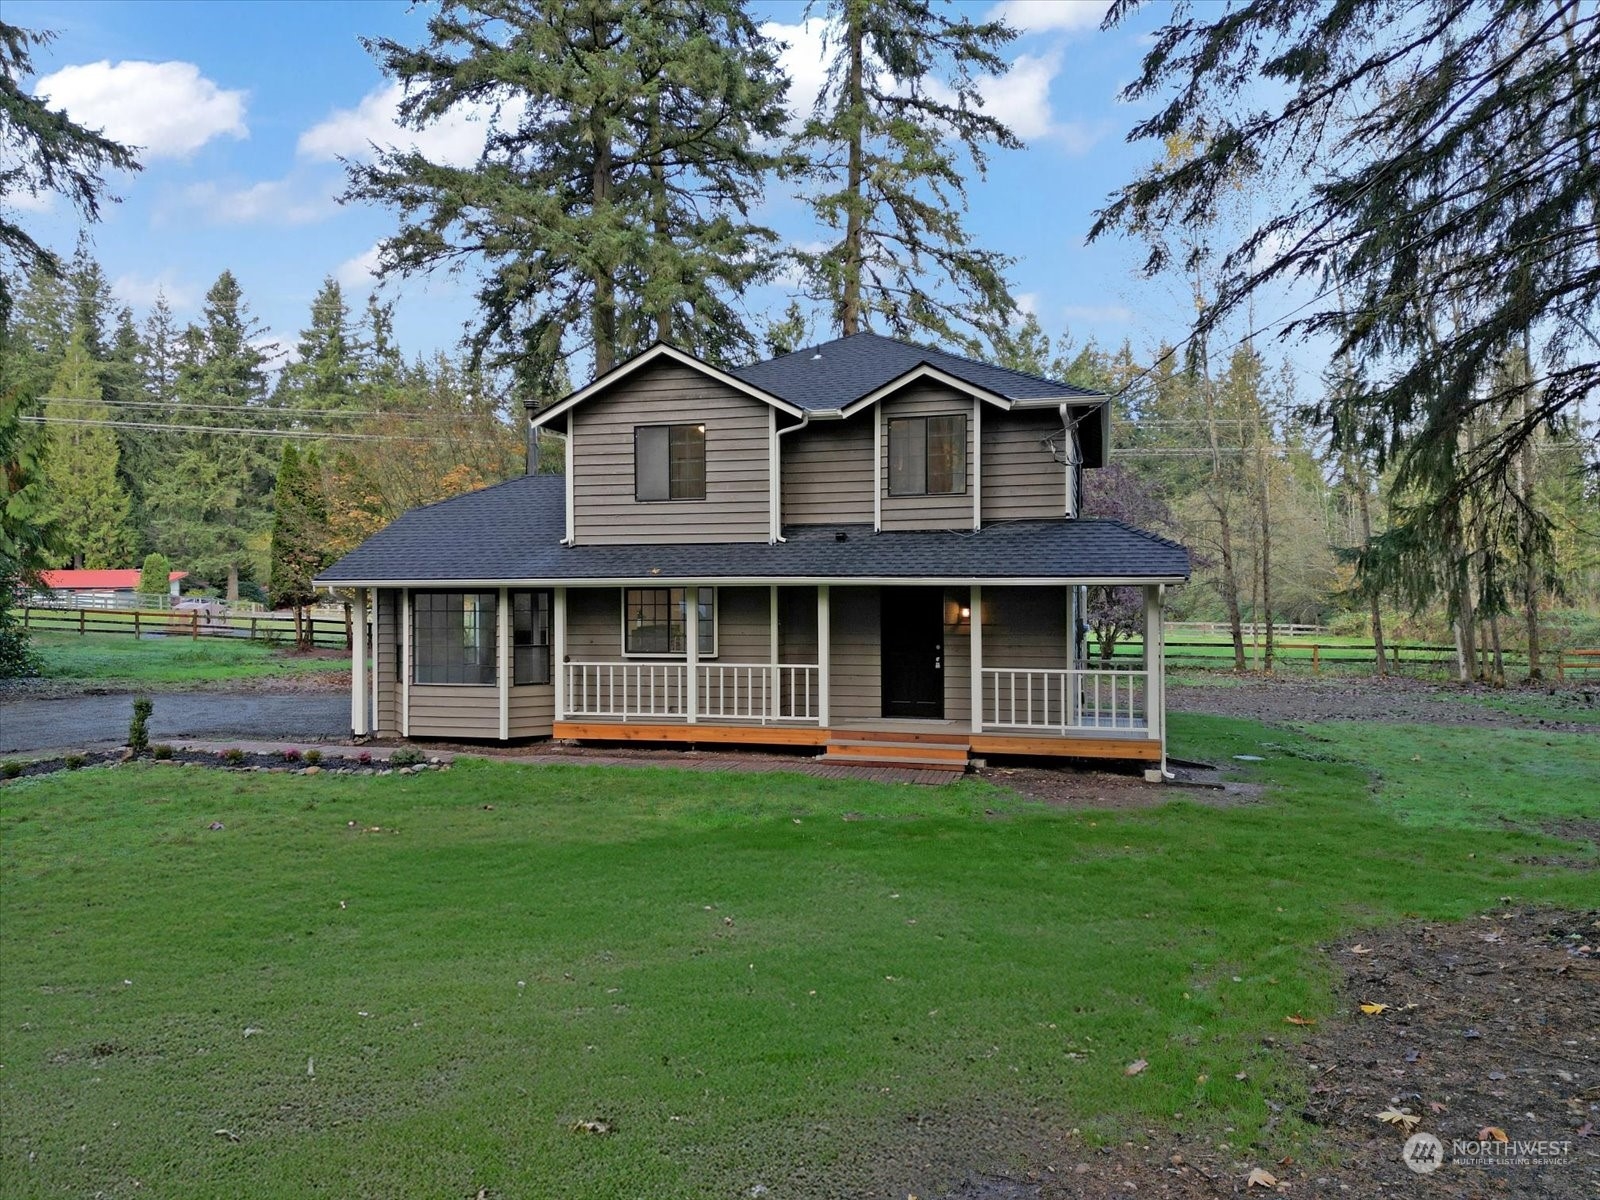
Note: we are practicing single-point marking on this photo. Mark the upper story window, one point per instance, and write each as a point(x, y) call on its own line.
point(928, 456)
point(453, 637)
point(669, 462)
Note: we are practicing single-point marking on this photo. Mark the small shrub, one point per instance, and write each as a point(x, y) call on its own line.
point(161, 751)
point(233, 756)
point(10, 769)
point(291, 755)
point(139, 727)
point(406, 757)
point(313, 757)
point(365, 758)
point(74, 761)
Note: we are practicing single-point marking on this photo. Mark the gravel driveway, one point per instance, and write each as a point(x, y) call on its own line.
point(30, 724)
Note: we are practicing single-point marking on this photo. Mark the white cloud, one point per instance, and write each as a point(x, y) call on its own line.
point(1020, 99)
point(27, 201)
point(140, 291)
point(1027, 303)
point(360, 271)
point(1047, 16)
point(455, 140)
point(167, 109)
point(804, 59)
point(270, 202)
point(1108, 314)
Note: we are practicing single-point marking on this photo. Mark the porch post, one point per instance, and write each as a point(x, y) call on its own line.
point(772, 701)
point(1155, 700)
point(691, 640)
point(358, 665)
point(824, 653)
point(558, 652)
point(376, 609)
point(975, 629)
point(502, 652)
point(405, 662)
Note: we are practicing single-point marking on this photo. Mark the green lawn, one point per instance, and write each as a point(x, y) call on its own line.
point(168, 661)
point(758, 979)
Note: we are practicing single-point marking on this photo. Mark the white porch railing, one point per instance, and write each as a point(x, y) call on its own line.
point(627, 689)
point(1066, 700)
point(763, 693)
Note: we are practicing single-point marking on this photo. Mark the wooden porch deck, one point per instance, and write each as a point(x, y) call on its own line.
point(923, 745)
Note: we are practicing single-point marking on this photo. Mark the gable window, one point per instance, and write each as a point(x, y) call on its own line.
point(928, 456)
point(669, 462)
point(654, 622)
point(530, 637)
point(453, 637)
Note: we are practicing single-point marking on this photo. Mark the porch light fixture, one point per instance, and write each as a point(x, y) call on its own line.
point(966, 613)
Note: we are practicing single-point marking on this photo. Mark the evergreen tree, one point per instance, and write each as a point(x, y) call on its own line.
point(92, 301)
point(212, 513)
point(45, 152)
point(901, 104)
point(1430, 159)
point(155, 577)
point(327, 366)
point(87, 503)
point(299, 536)
point(611, 203)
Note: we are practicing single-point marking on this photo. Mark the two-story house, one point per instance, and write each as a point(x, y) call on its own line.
point(869, 547)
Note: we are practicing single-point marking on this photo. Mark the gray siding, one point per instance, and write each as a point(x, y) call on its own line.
point(927, 512)
point(744, 625)
point(1021, 478)
point(594, 624)
point(455, 710)
point(386, 657)
point(532, 710)
point(1025, 628)
point(827, 472)
point(797, 624)
point(957, 660)
point(854, 684)
point(737, 503)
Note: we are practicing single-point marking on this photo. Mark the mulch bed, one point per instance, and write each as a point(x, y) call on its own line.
point(271, 763)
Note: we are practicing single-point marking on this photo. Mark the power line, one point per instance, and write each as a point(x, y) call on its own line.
point(241, 431)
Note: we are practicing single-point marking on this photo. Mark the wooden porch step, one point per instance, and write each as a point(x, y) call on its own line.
point(901, 737)
point(941, 755)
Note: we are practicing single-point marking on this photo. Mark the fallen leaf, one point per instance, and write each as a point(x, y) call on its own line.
point(1492, 1133)
point(1136, 1066)
point(1261, 1178)
point(1297, 1019)
point(1586, 1129)
point(1404, 1118)
point(598, 1128)
point(1241, 1076)
point(226, 1133)
point(1372, 1009)
point(1358, 948)
point(1435, 1107)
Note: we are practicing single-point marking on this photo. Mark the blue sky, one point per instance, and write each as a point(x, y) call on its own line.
point(244, 107)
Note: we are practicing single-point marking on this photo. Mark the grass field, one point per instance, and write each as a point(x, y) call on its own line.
point(417, 985)
point(168, 662)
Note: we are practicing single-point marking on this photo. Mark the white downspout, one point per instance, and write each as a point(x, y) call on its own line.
point(777, 537)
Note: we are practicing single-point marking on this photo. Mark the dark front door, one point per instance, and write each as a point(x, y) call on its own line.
point(912, 633)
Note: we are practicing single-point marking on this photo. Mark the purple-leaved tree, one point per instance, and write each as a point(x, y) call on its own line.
point(1115, 492)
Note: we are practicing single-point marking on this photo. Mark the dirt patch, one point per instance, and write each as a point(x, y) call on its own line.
point(1491, 1030)
point(1394, 700)
point(1065, 787)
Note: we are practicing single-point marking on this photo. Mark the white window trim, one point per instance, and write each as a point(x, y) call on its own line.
point(622, 628)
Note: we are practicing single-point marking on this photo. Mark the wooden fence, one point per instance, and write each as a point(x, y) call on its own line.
point(326, 632)
point(1296, 654)
point(1579, 662)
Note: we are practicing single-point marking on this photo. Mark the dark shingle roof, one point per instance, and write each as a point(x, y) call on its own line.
point(513, 531)
point(837, 373)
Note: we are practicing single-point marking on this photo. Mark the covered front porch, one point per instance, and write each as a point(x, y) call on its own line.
point(865, 671)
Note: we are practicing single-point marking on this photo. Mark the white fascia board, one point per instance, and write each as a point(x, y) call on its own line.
point(1074, 400)
point(917, 374)
point(658, 351)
